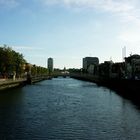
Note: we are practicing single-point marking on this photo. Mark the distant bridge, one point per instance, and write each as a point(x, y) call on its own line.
point(55, 75)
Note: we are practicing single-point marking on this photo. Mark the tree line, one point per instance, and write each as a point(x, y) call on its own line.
point(12, 63)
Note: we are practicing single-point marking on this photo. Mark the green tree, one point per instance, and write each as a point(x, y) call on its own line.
point(10, 61)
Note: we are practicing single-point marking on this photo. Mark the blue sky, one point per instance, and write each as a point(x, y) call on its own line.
point(69, 30)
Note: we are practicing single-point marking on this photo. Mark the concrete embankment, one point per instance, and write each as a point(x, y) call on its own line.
point(35, 79)
point(124, 87)
point(85, 77)
point(9, 83)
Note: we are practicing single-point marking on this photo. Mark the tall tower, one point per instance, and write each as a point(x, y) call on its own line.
point(123, 53)
point(50, 64)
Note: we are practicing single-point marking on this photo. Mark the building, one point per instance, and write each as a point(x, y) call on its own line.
point(88, 61)
point(90, 69)
point(132, 64)
point(105, 69)
point(118, 70)
point(50, 64)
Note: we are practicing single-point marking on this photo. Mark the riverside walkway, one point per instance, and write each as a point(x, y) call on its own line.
point(10, 83)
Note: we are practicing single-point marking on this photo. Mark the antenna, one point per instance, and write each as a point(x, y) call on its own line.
point(123, 53)
point(110, 58)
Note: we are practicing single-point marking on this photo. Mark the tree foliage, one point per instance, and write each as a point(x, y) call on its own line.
point(10, 61)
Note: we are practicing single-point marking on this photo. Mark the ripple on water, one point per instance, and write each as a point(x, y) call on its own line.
point(67, 109)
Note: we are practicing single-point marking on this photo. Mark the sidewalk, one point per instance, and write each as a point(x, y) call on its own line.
point(9, 81)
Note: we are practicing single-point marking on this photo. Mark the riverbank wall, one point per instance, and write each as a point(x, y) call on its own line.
point(10, 83)
point(124, 87)
point(35, 79)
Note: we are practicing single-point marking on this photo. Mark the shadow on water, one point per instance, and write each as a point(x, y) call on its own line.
point(10, 96)
point(11, 113)
point(132, 96)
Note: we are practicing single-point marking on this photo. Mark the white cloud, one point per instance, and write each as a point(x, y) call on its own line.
point(126, 9)
point(27, 48)
point(108, 5)
point(8, 3)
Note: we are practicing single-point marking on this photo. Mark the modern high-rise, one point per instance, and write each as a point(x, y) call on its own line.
point(87, 61)
point(50, 64)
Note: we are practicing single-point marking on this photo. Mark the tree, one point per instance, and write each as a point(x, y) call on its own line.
point(10, 61)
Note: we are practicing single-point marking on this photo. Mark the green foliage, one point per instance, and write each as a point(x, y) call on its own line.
point(10, 61)
point(37, 70)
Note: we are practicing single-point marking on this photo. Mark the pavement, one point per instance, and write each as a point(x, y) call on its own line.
point(7, 81)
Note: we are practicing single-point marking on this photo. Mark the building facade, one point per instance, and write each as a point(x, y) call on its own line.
point(89, 63)
point(50, 65)
point(132, 64)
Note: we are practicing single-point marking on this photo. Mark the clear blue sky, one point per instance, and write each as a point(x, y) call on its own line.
point(68, 30)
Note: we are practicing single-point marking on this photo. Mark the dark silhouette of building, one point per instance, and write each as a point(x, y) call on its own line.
point(89, 63)
point(50, 65)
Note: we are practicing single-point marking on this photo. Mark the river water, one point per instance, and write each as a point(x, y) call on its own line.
point(67, 109)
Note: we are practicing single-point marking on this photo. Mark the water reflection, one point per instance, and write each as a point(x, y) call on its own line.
point(10, 97)
point(133, 97)
point(67, 109)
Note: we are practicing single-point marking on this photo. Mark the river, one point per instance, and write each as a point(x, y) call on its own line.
point(67, 109)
